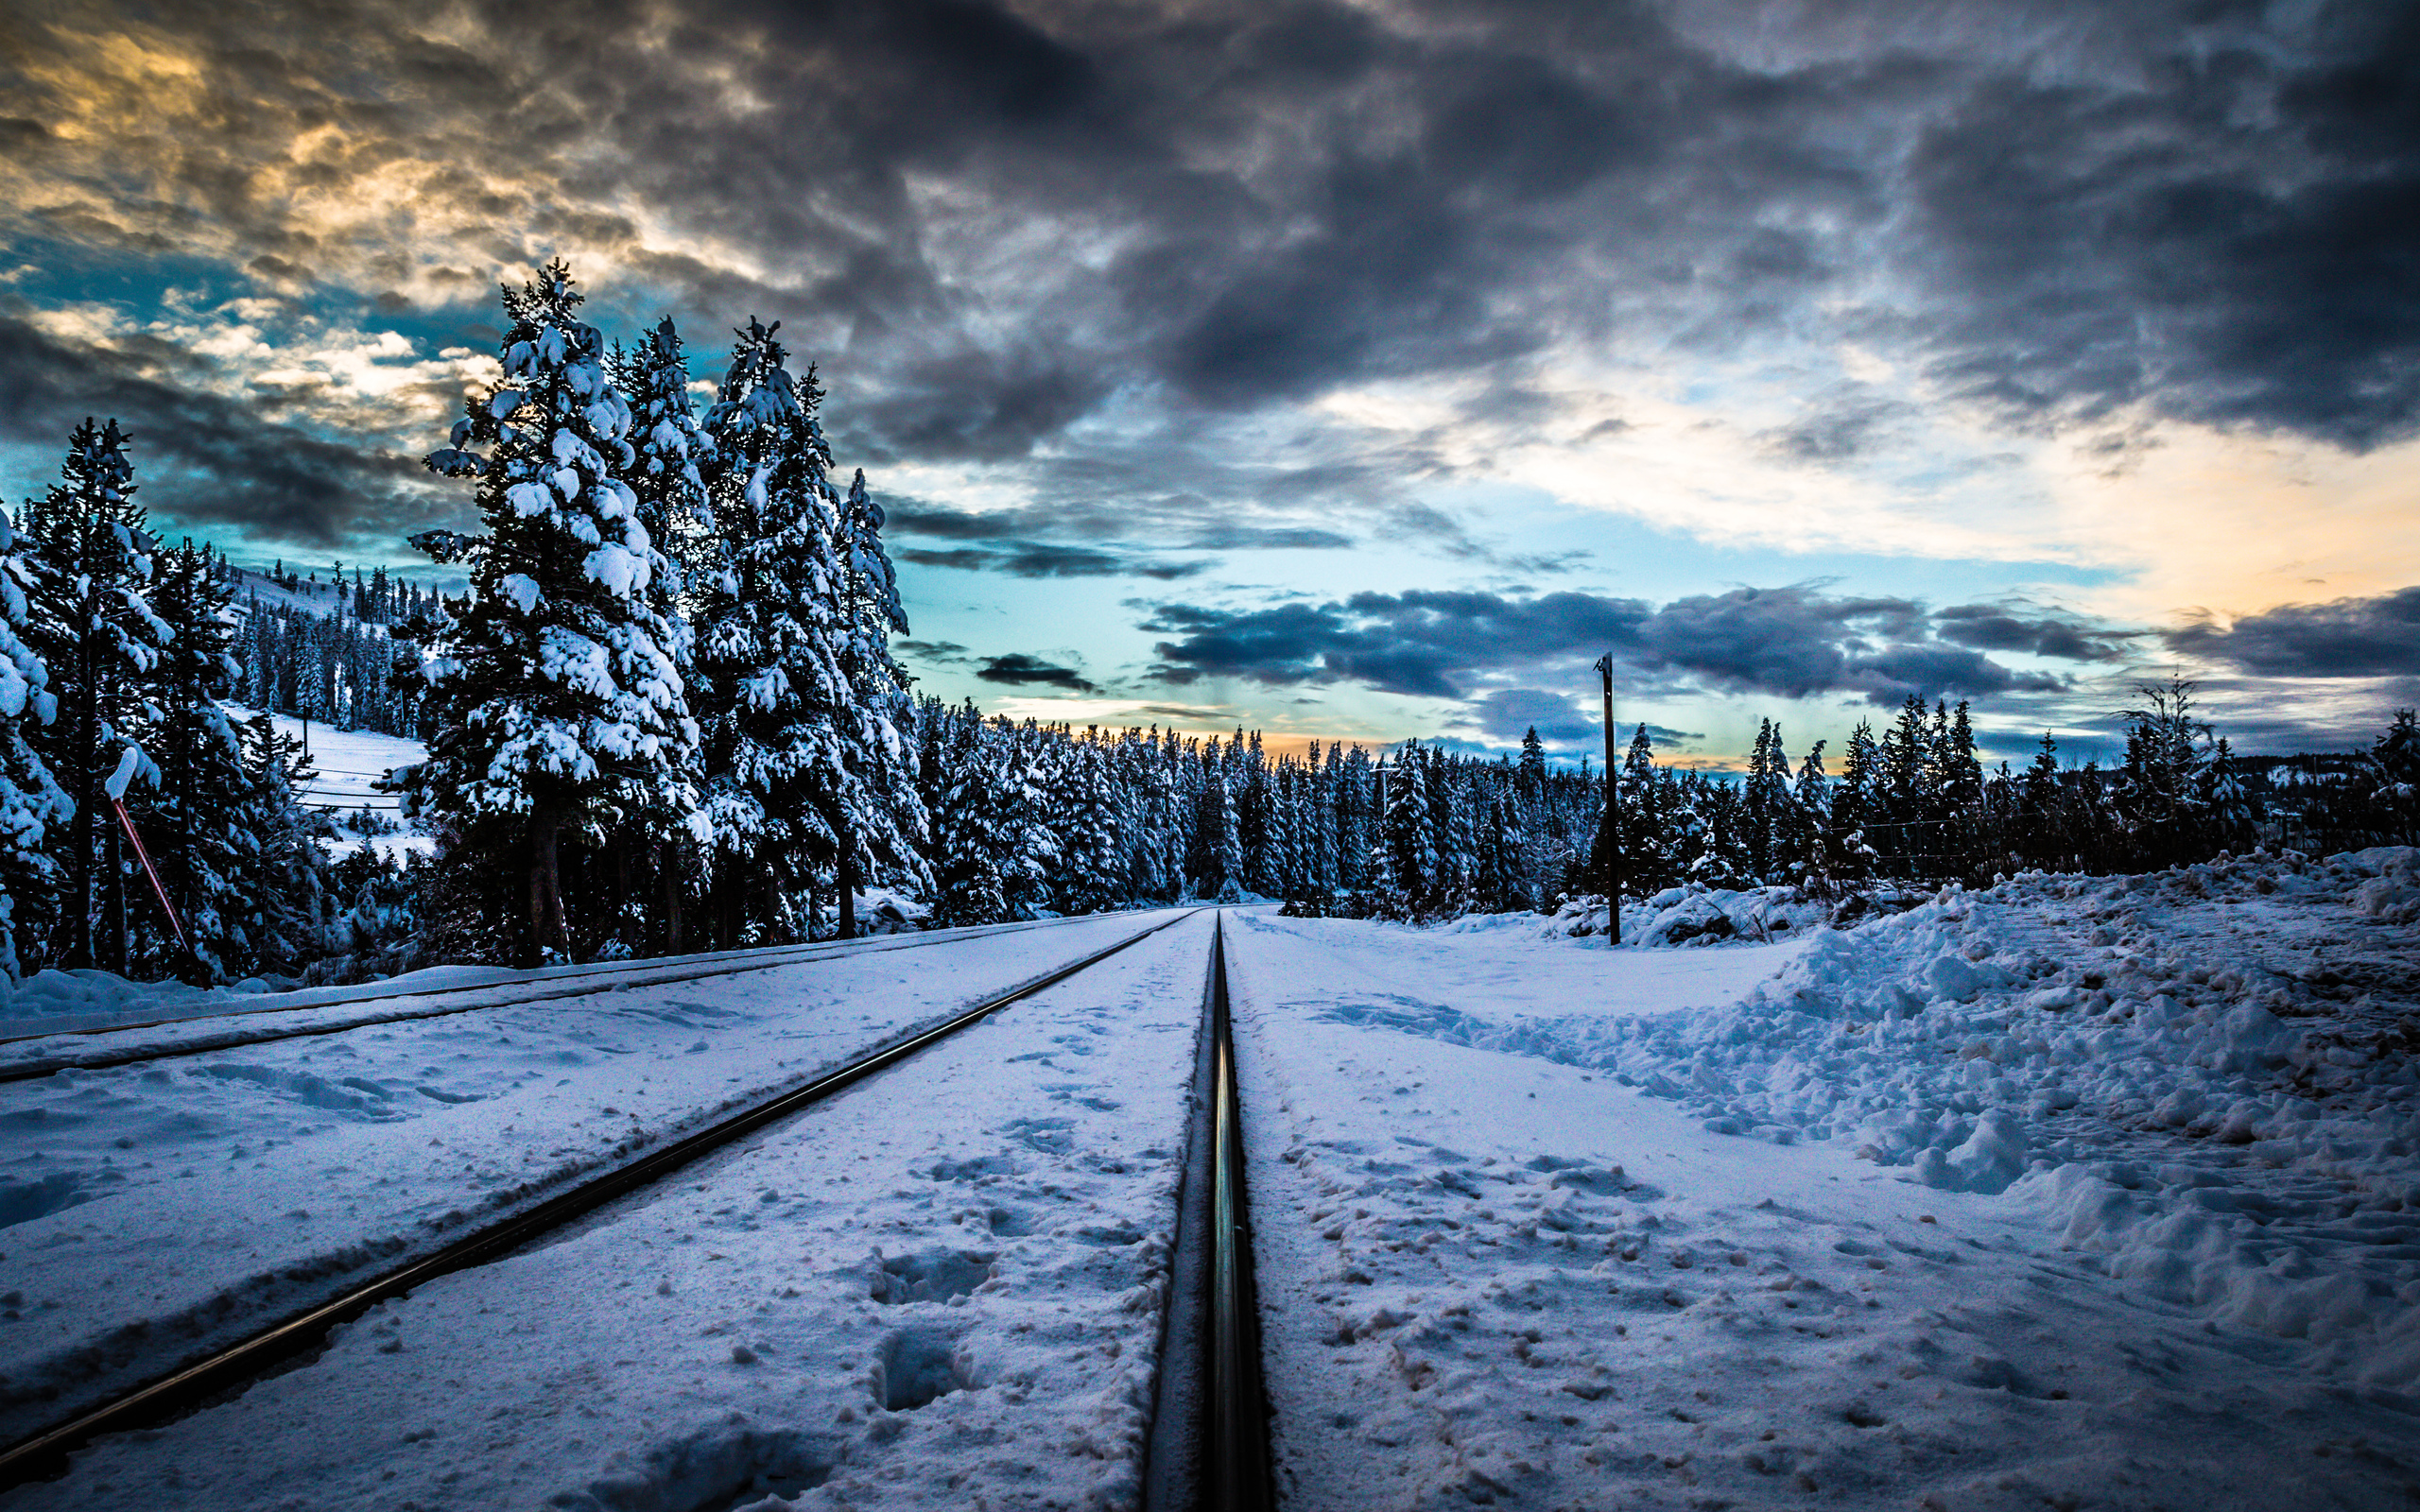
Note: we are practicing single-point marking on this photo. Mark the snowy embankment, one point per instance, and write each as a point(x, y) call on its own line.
point(349, 764)
point(1691, 915)
point(1491, 1272)
point(2203, 1073)
point(941, 1288)
point(151, 1209)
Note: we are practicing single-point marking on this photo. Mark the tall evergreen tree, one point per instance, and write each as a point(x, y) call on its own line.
point(197, 822)
point(775, 695)
point(91, 621)
point(874, 814)
point(559, 709)
point(32, 804)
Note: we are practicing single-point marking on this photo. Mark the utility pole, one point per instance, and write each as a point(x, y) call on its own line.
point(1613, 815)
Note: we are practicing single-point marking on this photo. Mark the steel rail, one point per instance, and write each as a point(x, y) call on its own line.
point(1235, 1461)
point(661, 972)
point(44, 1454)
point(1208, 1447)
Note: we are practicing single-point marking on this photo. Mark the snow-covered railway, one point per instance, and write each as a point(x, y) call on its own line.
point(118, 1287)
point(199, 1382)
point(200, 1029)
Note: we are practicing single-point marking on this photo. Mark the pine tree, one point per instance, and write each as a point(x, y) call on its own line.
point(197, 823)
point(2395, 767)
point(673, 457)
point(668, 480)
point(875, 813)
point(281, 878)
point(967, 870)
point(92, 625)
point(558, 705)
point(32, 805)
point(1410, 831)
point(777, 702)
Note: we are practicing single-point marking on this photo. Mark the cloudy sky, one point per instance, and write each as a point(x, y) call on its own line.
point(1353, 371)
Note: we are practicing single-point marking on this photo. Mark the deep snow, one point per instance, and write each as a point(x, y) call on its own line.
point(2077, 1193)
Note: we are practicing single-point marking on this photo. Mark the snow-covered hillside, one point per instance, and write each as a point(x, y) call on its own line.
point(349, 763)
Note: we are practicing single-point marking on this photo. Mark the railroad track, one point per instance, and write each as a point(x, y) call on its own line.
point(44, 1453)
point(1209, 1449)
point(571, 982)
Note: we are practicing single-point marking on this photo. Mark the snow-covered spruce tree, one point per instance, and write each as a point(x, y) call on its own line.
point(281, 880)
point(1408, 834)
point(2395, 768)
point(91, 624)
point(197, 822)
point(1024, 844)
point(966, 869)
point(667, 477)
point(558, 708)
point(876, 818)
point(774, 696)
point(32, 805)
point(673, 457)
point(1094, 877)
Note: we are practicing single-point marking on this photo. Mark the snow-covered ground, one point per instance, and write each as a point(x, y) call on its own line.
point(2071, 1193)
point(939, 1289)
point(148, 1209)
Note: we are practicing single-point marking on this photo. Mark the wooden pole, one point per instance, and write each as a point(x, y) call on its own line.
point(1613, 815)
point(127, 822)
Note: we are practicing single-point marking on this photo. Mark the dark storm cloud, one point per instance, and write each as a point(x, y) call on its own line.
point(2005, 627)
point(1793, 641)
point(206, 459)
point(1019, 670)
point(1071, 239)
point(2225, 235)
point(1031, 559)
point(2350, 638)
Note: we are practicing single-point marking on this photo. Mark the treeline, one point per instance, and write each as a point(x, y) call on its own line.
point(338, 667)
point(1914, 803)
point(1031, 818)
point(115, 652)
point(1028, 819)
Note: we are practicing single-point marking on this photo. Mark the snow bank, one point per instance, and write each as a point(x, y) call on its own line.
point(2202, 1075)
point(1694, 915)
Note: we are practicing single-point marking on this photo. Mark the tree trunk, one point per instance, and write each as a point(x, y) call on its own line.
point(846, 870)
point(83, 837)
point(547, 926)
point(621, 844)
point(667, 876)
point(110, 949)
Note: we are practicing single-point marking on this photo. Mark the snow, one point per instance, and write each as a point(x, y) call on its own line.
point(350, 763)
point(1492, 1272)
point(129, 763)
point(2074, 1192)
point(151, 1208)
